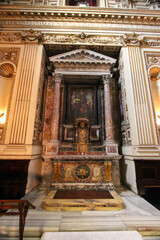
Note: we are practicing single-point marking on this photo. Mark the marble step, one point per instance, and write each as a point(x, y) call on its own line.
point(114, 235)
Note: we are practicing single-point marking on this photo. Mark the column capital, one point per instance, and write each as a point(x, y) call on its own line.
point(106, 78)
point(57, 77)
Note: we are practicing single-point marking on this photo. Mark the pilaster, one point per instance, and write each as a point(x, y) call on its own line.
point(138, 98)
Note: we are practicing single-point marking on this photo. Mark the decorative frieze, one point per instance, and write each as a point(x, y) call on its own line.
point(77, 39)
point(10, 37)
point(24, 36)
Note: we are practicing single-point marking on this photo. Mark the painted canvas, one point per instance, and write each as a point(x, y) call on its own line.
point(82, 104)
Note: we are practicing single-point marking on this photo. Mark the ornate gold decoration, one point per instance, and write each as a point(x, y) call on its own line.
point(6, 70)
point(83, 39)
point(9, 54)
point(25, 36)
point(133, 39)
point(152, 41)
point(31, 35)
point(10, 37)
point(154, 73)
point(82, 172)
point(152, 58)
point(82, 35)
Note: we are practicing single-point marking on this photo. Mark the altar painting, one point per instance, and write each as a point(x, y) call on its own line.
point(82, 104)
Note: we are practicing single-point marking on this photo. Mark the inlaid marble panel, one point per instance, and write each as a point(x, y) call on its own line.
point(81, 172)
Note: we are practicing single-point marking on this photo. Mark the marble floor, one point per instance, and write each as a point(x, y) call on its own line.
point(137, 214)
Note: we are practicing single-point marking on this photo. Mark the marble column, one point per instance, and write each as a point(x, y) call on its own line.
point(111, 146)
point(52, 146)
point(56, 108)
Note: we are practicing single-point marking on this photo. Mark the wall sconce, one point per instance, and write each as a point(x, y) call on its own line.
point(2, 117)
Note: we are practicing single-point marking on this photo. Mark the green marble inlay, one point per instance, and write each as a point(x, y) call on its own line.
point(82, 172)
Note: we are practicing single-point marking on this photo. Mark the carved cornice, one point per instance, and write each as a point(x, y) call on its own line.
point(78, 39)
point(79, 15)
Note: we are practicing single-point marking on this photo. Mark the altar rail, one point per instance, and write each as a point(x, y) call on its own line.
point(22, 206)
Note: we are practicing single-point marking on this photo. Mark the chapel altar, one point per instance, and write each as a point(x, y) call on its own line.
point(82, 150)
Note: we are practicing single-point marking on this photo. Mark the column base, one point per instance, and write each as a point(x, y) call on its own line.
point(111, 147)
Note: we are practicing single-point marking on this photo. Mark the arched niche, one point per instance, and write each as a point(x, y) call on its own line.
point(154, 74)
point(7, 73)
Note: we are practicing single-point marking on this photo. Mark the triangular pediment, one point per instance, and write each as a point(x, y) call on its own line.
point(82, 55)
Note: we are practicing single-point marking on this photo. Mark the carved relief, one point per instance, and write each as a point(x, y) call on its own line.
point(10, 37)
point(133, 39)
point(9, 54)
point(31, 35)
point(36, 36)
point(82, 39)
point(152, 58)
point(25, 36)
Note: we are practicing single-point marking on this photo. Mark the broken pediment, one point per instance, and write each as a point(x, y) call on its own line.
point(82, 56)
